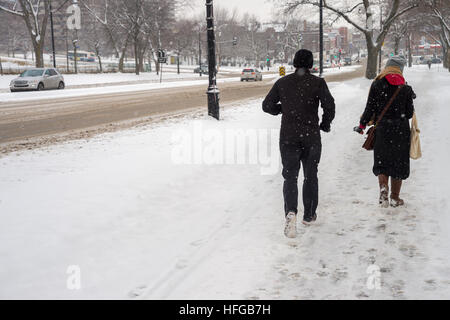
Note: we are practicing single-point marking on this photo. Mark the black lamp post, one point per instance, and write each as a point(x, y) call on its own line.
point(53, 35)
point(321, 38)
point(213, 91)
point(200, 51)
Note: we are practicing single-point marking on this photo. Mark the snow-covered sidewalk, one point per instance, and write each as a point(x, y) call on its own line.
point(138, 224)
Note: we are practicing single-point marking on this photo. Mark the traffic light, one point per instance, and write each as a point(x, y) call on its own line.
point(235, 41)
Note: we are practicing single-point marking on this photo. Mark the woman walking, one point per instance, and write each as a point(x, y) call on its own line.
point(392, 134)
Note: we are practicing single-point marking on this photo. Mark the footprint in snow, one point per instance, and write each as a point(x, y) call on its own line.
point(397, 288)
point(137, 292)
point(362, 295)
point(431, 285)
point(339, 274)
point(408, 250)
point(182, 264)
point(390, 240)
point(197, 243)
point(381, 228)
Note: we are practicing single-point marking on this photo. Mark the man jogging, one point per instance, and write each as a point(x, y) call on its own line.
point(297, 98)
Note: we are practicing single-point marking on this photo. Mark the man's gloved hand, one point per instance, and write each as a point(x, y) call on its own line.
point(325, 127)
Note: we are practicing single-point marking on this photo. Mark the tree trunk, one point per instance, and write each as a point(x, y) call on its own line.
point(142, 56)
point(372, 62)
point(157, 67)
point(137, 68)
point(122, 55)
point(396, 45)
point(447, 61)
point(445, 55)
point(39, 54)
point(149, 57)
point(142, 62)
point(100, 64)
point(408, 47)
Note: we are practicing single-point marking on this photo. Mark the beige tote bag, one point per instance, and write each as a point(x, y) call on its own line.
point(416, 150)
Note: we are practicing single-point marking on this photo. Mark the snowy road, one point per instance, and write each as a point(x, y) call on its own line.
point(32, 119)
point(141, 227)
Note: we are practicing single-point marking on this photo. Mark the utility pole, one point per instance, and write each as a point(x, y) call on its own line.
point(213, 91)
point(53, 35)
point(200, 51)
point(321, 38)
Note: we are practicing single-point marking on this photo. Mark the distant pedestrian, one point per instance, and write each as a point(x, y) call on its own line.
point(296, 97)
point(392, 135)
point(429, 64)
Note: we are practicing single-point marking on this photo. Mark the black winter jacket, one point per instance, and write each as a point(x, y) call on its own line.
point(380, 94)
point(297, 98)
point(392, 136)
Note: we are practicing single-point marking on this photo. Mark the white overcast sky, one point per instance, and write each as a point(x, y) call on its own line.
point(260, 8)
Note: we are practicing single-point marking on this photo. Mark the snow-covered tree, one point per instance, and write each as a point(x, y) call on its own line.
point(439, 10)
point(35, 14)
point(362, 14)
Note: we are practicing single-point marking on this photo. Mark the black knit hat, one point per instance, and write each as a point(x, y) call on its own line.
point(303, 59)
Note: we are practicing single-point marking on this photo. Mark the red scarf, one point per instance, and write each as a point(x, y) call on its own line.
point(395, 79)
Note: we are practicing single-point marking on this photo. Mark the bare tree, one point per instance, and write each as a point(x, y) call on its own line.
point(440, 11)
point(109, 13)
point(36, 22)
point(399, 31)
point(253, 38)
point(361, 14)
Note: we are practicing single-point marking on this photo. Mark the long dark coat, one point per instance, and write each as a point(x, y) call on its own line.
point(393, 134)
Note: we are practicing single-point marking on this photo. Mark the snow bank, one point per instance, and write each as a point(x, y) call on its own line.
point(110, 78)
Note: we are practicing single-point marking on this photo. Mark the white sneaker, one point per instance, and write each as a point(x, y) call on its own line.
point(290, 230)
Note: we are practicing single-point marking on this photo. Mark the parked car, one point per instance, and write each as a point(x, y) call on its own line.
point(436, 60)
point(204, 69)
point(347, 61)
point(38, 79)
point(251, 74)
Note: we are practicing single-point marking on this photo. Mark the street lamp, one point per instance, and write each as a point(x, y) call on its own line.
point(213, 91)
point(200, 49)
point(53, 35)
point(321, 38)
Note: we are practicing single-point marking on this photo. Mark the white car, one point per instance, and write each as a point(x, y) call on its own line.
point(251, 74)
point(38, 79)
